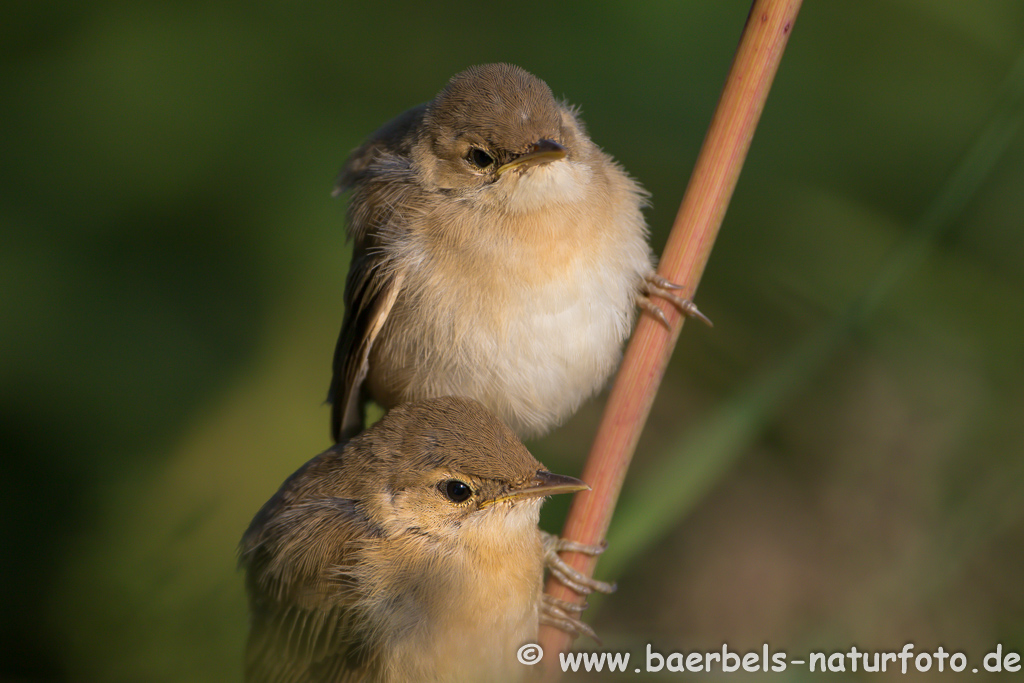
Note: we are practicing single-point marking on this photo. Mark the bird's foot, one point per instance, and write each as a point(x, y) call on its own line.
point(565, 616)
point(565, 573)
point(655, 285)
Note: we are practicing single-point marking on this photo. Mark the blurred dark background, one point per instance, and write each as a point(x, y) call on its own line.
point(171, 269)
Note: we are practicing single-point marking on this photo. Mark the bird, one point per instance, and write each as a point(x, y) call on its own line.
point(409, 553)
point(498, 254)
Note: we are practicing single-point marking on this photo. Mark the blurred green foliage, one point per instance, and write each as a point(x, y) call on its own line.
point(171, 268)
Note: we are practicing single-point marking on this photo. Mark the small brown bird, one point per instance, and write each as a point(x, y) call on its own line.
point(498, 254)
point(410, 553)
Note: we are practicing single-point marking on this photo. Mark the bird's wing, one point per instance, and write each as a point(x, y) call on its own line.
point(381, 176)
point(369, 297)
point(303, 625)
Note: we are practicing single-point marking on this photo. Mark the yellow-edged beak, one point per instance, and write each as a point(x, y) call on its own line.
point(543, 484)
point(540, 152)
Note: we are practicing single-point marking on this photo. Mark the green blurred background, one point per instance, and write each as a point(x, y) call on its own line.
point(837, 462)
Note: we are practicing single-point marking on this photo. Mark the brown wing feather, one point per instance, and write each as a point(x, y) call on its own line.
point(303, 624)
point(380, 173)
point(369, 299)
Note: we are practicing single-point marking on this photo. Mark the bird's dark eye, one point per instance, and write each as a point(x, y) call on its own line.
point(479, 158)
point(455, 490)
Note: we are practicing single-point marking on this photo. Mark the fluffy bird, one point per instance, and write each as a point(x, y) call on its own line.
point(498, 254)
point(410, 553)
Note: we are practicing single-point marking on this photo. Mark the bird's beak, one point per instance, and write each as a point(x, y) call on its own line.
point(540, 152)
point(543, 484)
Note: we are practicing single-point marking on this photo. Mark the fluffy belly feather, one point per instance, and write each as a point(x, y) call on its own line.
point(531, 351)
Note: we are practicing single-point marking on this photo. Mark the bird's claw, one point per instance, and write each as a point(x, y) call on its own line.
point(655, 285)
point(564, 615)
point(568, 575)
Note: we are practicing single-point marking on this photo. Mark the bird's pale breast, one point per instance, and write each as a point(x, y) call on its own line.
point(537, 323)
